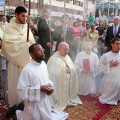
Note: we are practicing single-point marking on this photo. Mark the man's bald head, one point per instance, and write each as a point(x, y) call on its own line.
point(63, 49)
point(62, 44)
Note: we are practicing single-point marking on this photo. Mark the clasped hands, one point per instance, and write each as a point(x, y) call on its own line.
point(47, 89)
point(113, 63)
point(102, 37)
point(67, 69)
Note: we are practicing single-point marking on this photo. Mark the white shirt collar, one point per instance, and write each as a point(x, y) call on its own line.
point(35, 63)
point(116, 26)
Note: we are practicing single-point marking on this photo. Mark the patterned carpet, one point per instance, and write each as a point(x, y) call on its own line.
point(92, 109)
point(3, 108)
point(3, 92)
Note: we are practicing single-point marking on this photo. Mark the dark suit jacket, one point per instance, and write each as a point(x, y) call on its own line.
point(110, 36)
point(58, 35)
point(43, 32)
point(45, 35)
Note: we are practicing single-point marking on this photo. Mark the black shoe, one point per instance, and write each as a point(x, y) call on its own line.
point(11, 111)
point(20, 106)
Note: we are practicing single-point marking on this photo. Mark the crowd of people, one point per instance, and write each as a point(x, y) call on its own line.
point(73, 31)
point(58, 63)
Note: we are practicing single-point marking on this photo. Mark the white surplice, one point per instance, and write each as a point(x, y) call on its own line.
point(86, 80)
point(37, 105)
point(110, 87)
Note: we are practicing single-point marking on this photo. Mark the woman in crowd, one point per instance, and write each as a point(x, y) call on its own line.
point(76, 37)
point(100, 30)
point(93, 35)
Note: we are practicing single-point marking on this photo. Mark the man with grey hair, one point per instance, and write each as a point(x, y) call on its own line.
point(63, 74)
point(112, 32)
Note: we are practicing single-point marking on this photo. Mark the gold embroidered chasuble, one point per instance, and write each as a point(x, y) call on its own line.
point(57, 73)
point(14, 43)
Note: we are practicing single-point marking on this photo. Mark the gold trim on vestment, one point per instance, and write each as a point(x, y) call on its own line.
point(62, 85)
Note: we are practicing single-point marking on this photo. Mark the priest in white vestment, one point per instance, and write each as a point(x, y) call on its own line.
point(34, 87)
point(3, 26)
point(3, 23)
point(110, 66)
point(86, 64)
point(1, 33)
point(15, 49)
point(63, 74)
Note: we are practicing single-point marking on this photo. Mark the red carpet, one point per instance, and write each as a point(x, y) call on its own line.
point(92, 109)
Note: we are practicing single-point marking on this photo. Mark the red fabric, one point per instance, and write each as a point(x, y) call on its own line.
point(104, 108)
point(2, 110)
point(76, 31)
point(92, 109)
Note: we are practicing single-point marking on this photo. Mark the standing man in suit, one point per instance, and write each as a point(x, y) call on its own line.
point(45, 32)
point(64, 33)
point(112, 32)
